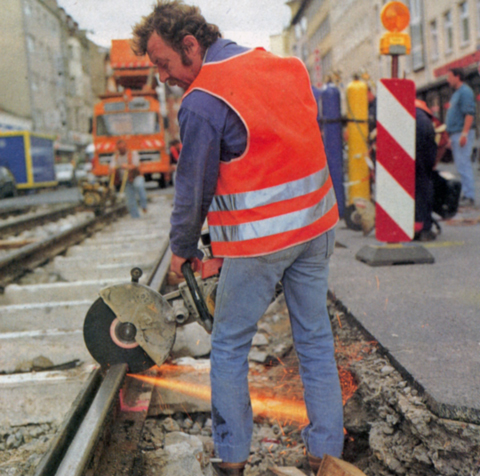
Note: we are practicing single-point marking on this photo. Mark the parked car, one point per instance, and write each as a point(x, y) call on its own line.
point(8, 186)
point(65, 174)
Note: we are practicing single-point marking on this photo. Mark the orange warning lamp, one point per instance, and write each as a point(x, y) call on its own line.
point(395, 17)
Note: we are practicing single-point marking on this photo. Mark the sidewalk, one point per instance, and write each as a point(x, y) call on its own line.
point(426, 316)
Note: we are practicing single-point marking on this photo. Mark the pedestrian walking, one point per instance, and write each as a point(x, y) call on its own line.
point(125, 161)
point(459, 121)
point(253, 161)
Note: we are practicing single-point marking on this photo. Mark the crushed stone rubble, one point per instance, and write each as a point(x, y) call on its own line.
point(389, 430)
point(22, 448)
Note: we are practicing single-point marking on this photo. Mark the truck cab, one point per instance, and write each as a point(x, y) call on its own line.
point(131, 111)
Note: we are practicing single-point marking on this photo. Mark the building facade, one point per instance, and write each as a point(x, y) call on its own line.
point(31, 76)
point(340, 40)
point(51, 74)
point(448, 36)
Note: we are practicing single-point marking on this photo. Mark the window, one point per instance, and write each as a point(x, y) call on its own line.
point(416, 27)
point(34, 82)
point(72, 86)
point(326, 64)
point(448, 30)
point(127, 123)
point(30, 43)
point(300, 46)
point(434, 39)
point(478, 18)
point(464, 24)
point(27, 7)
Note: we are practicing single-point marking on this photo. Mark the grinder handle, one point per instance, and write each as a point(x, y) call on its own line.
point(197, 297)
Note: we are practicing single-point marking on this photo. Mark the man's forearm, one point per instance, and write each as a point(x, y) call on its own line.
point(195, 183)
point(467, 124)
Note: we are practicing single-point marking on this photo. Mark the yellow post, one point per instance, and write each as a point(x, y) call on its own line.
point(357, 128)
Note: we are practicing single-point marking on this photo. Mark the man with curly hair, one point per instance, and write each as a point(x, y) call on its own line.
point(253, 162)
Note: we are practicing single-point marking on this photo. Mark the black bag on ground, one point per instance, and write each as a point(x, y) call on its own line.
point(446, 195)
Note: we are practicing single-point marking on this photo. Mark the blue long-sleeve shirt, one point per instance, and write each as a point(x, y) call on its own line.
point(210, 132)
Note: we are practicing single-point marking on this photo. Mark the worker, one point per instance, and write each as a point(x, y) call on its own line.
point(127, 162)
point(460, 119)
point(425, 161)
point(253, 160)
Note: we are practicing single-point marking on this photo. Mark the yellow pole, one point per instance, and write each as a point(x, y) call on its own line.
point(357, 114)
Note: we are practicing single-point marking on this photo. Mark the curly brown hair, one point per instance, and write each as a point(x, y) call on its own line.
point(173, 21)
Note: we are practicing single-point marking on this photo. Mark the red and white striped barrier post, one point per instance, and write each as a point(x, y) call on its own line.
point(395, 167)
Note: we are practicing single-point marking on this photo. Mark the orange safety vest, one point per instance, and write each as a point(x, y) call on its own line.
point(279, 192)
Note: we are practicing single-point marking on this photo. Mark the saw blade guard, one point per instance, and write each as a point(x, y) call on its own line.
point(130, 323)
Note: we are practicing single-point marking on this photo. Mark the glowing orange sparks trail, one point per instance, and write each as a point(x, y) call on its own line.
point(261, 406)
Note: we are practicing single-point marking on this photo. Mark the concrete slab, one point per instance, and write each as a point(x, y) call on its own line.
point(57, 345)
point(37, 293)
point(40, 397)
point(120, 247)
point(82, 261)
point(59, 315)
point(426, 316)
point(118, 238)
point(102, 271)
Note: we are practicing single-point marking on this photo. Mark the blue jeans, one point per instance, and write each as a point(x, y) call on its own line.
point(244, 292)
point(463, 163)
point(132, 190)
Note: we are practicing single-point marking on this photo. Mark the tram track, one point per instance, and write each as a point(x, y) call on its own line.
point(84, 440)
point(29, 221)
point(28, 257)
point(14, 210)
point(43, 361)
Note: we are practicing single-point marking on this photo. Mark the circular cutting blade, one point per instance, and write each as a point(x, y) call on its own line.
point(96, 333)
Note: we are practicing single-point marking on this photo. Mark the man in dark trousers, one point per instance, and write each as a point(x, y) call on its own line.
point(426, 153)
point(253, 161)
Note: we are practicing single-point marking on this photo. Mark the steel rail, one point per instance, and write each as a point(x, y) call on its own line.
point(13, 210)
point(26, 223)
point(81, 449)
point(91, 415)
point(18, 262)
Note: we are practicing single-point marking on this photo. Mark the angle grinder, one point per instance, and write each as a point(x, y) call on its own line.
point(133, 324)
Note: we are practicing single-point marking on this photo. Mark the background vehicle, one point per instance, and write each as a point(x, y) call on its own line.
point(65, 174)
point(131, 113)
point(68, 174)
point(8, 187)
point(29, 157)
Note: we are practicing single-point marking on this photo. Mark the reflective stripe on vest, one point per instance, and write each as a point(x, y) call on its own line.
point(267, 196)
point(272, 226)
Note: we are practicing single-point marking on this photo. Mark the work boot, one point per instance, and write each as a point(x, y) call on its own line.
point(228, 469)
point(315, 463)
